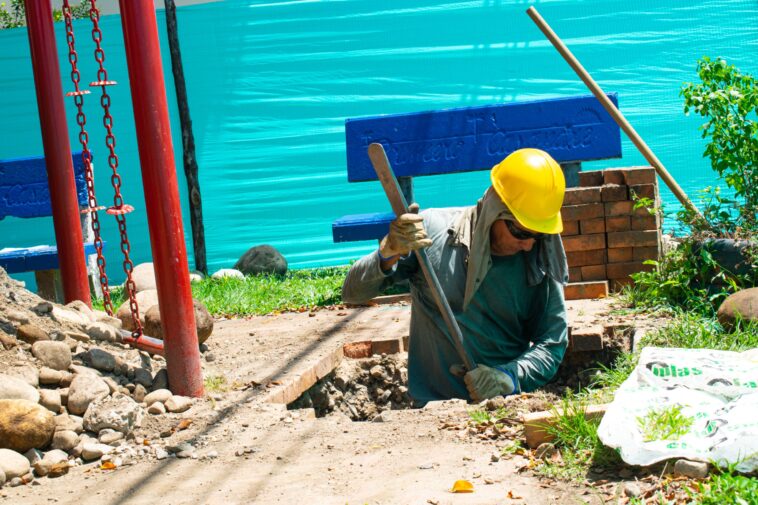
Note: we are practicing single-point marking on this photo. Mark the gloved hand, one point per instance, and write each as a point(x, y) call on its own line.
point(407, 232)
point(484, 382)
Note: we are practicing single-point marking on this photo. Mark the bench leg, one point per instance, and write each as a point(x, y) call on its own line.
point(49, 285)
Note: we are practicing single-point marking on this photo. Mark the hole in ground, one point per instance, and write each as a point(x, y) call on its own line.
point(364, 388)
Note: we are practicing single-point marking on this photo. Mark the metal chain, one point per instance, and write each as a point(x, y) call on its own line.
point(81, 120)
point(119, 209)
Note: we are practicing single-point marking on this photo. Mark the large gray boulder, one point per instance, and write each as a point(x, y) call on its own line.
point(143, 276)
point(13, 388)
point(262, 259)
point(31, 333)
point(145, 300)
point(25, 425)
point(85, 389)
point(203, 322)
point(740, 305)
point(13, 464)
point(55, 355)
point(118, 412)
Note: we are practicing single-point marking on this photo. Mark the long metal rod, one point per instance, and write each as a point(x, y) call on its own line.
point(60, 169)
point(400, 206)
point(613, 111)
point(161, 190)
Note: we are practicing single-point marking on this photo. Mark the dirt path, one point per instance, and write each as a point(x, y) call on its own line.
point(248, 450)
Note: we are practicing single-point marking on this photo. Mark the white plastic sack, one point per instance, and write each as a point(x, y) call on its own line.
point(717, 390)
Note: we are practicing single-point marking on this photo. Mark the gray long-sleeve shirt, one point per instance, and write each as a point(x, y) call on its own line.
point(510, 325)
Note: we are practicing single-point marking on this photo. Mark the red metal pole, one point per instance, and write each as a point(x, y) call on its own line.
point(60, 169)
point(161, 196)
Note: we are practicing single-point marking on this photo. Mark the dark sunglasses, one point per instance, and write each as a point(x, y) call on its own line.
point(521, 234)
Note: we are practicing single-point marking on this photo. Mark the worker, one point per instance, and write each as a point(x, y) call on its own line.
point(502, 268)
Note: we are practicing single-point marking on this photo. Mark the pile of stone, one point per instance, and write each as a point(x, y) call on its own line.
point(362, 389)
point(70, 392)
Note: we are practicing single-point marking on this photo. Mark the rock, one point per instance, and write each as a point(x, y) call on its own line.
point(13, 464)
point(228, 272)
point(693, 469)
point(25, 425)
point(91, 451)
point(84, 389)
point(178, 403)
point(61, 315)
point(50, 377)
point(203, 322)
point(377, 372)
point(55, 355)
point(100, 360)
point(209, 357)
point(78, 336)
point(160, 380)
point(145, 300)
point(139, 393)
point(262, 259)
point(102, 332)
point(42, 308)
point(118, 412)
point(65, 440)
point(53, 464)
point(108, 436)
point(18, 316)
point(159, 395)
point(545, 451)
point(740, 305)
point(2, 477)
point(103, 317)
point(156, 409)
point(112, 384)
point(13, 388)
point(7, 341)
point(65, 422)
point(33, 455)
point(196, 276)
point(160, 453)
point(64, 395)
point(30, 333)
point(383, 417)
point(632, 489)
point(50, 399)
point(143, 276)
point(143, 376)
point(26, 373)
point(82, 308)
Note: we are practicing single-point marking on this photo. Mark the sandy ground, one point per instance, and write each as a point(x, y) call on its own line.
point(293, 458)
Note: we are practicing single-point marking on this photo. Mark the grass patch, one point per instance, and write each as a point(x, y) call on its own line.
point(727, 486)
point(692, 331)
point(664, 424)
point(215, 384)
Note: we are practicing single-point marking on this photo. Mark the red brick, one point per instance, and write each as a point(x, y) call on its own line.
point(625, 208)
point(593, 273)
point(649, 222)
point(586, 242)
point(582, 258)
point(406, 342)
point(570, 228)
point(386, 346)
point(591, 178)
point(639, 175)
point(585, 290)
point(586, 339)
point(589, 226)
point(642, 191)
point(357, 350)
point(620, 254)
point(613, 176)
point(536, 424)
point(618, 223)
point(614, 193)
point(646, 253)
point(632, 239)
point(624, 270)
point(575, 274)
point(585, 211)
point(575, 196)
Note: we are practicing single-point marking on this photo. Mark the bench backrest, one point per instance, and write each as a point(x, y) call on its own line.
point(24, 191)
point(466, 139)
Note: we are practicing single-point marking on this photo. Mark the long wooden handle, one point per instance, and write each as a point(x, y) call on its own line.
point(399, 206)
point(613, 111)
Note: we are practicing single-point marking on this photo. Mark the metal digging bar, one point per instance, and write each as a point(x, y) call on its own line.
point(614, 112)
point(399, 206)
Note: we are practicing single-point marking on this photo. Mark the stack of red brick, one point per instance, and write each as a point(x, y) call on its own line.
point(605, 237)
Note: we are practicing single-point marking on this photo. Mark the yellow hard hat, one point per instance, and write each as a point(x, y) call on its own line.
point(531, 184)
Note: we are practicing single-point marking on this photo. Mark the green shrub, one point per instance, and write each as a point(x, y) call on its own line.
point(13, 13)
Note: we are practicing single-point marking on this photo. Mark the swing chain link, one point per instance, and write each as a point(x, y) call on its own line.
point(119, 207)
point(81, 120)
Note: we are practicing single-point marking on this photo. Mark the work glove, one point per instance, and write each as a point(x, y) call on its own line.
point(484, 382)
point(407, 233)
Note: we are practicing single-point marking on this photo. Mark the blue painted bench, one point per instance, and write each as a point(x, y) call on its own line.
point(24, 193)
point(468, 139)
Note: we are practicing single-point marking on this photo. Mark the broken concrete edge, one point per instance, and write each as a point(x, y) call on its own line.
point(367, 348)
point(536, 423)
point(292, 387)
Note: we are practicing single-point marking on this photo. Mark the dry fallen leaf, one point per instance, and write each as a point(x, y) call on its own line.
point(462, 486)
point(107, 465)
point(183, 424)
point(513, 496)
